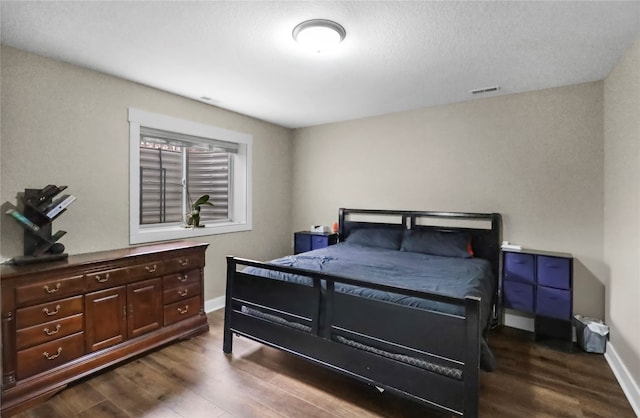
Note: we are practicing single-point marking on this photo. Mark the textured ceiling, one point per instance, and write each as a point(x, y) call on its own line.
point(396, 56)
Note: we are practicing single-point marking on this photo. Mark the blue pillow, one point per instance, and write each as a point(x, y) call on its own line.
point(446, 244)
point(376, 237)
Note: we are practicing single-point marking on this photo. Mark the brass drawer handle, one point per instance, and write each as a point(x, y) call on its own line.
point(103, 279)
point(151, 269)
point(183, 292)
point(54, 290)
point(50, 333)
point(52, 356)
point(183, 311)
point(184, 278)
point(184, 262)
point(46, 311)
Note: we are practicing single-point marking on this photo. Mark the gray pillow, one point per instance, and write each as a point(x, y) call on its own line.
point(376, 237)
point(446, 244)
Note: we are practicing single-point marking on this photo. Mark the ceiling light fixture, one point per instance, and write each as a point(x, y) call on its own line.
point(319, 34)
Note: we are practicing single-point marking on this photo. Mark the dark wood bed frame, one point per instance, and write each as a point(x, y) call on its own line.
point(450, 340)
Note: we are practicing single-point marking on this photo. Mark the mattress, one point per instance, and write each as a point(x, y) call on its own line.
point(457, 277)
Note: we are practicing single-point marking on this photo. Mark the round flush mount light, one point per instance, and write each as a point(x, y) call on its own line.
point(319, 34)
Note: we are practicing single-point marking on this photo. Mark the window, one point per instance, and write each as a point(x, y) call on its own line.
point(176, 172)
point(173, 163)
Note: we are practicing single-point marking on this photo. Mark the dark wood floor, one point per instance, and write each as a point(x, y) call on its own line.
point(193, 379)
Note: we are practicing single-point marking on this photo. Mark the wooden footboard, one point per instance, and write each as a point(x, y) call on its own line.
point(424, 355)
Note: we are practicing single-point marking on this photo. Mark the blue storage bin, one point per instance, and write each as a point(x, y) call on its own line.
point(518, 295)
point(554, 272)
point(319, 241)
point(519, 267)
point(553, 303)
point(302, 243)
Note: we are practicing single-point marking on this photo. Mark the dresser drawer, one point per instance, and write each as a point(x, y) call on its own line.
point(181, 310)
point(188, 262)
point(50, 311)
point(46, 356)
point(181, 279)
point(554, 272)
point(107, 278)
point(518, 295)
point(49, 331)
point(146, 270)
point(519, 267)
point(181, 292)
point(49, 290)
point(554, 303)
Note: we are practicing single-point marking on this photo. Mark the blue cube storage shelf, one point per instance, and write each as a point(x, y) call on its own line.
point(541, 283)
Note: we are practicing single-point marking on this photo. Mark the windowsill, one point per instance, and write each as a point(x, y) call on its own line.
point(165, 233)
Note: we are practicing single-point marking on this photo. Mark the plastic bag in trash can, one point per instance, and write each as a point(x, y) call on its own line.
point(591, 334)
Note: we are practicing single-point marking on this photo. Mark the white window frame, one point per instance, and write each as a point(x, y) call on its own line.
point(241, 204)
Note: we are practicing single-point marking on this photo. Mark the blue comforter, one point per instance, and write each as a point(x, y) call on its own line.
point(457, 277)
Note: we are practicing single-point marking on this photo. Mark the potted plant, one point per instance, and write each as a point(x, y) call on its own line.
point(193, 218)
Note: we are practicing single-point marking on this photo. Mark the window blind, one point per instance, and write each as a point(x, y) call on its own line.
point(173, 176)
point(208, 173)
point(161, 191)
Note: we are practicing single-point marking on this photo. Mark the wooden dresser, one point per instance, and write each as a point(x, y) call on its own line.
point(66, 319)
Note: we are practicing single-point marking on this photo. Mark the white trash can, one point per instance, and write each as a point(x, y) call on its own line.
point(592, 334)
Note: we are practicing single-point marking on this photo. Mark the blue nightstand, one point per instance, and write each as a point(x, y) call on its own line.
point(306, 241)
point(541, 283)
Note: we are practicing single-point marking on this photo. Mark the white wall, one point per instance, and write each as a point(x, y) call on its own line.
point(536, 157)
point(622, 211)
point(66, 125)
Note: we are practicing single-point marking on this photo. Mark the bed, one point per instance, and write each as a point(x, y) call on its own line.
point(403, 302)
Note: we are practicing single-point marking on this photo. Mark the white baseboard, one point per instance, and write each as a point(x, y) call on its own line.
point(627, 383)
point(519, 322)
point(214, 304)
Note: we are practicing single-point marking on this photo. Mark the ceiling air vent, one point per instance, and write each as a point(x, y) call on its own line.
point(485, 90)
